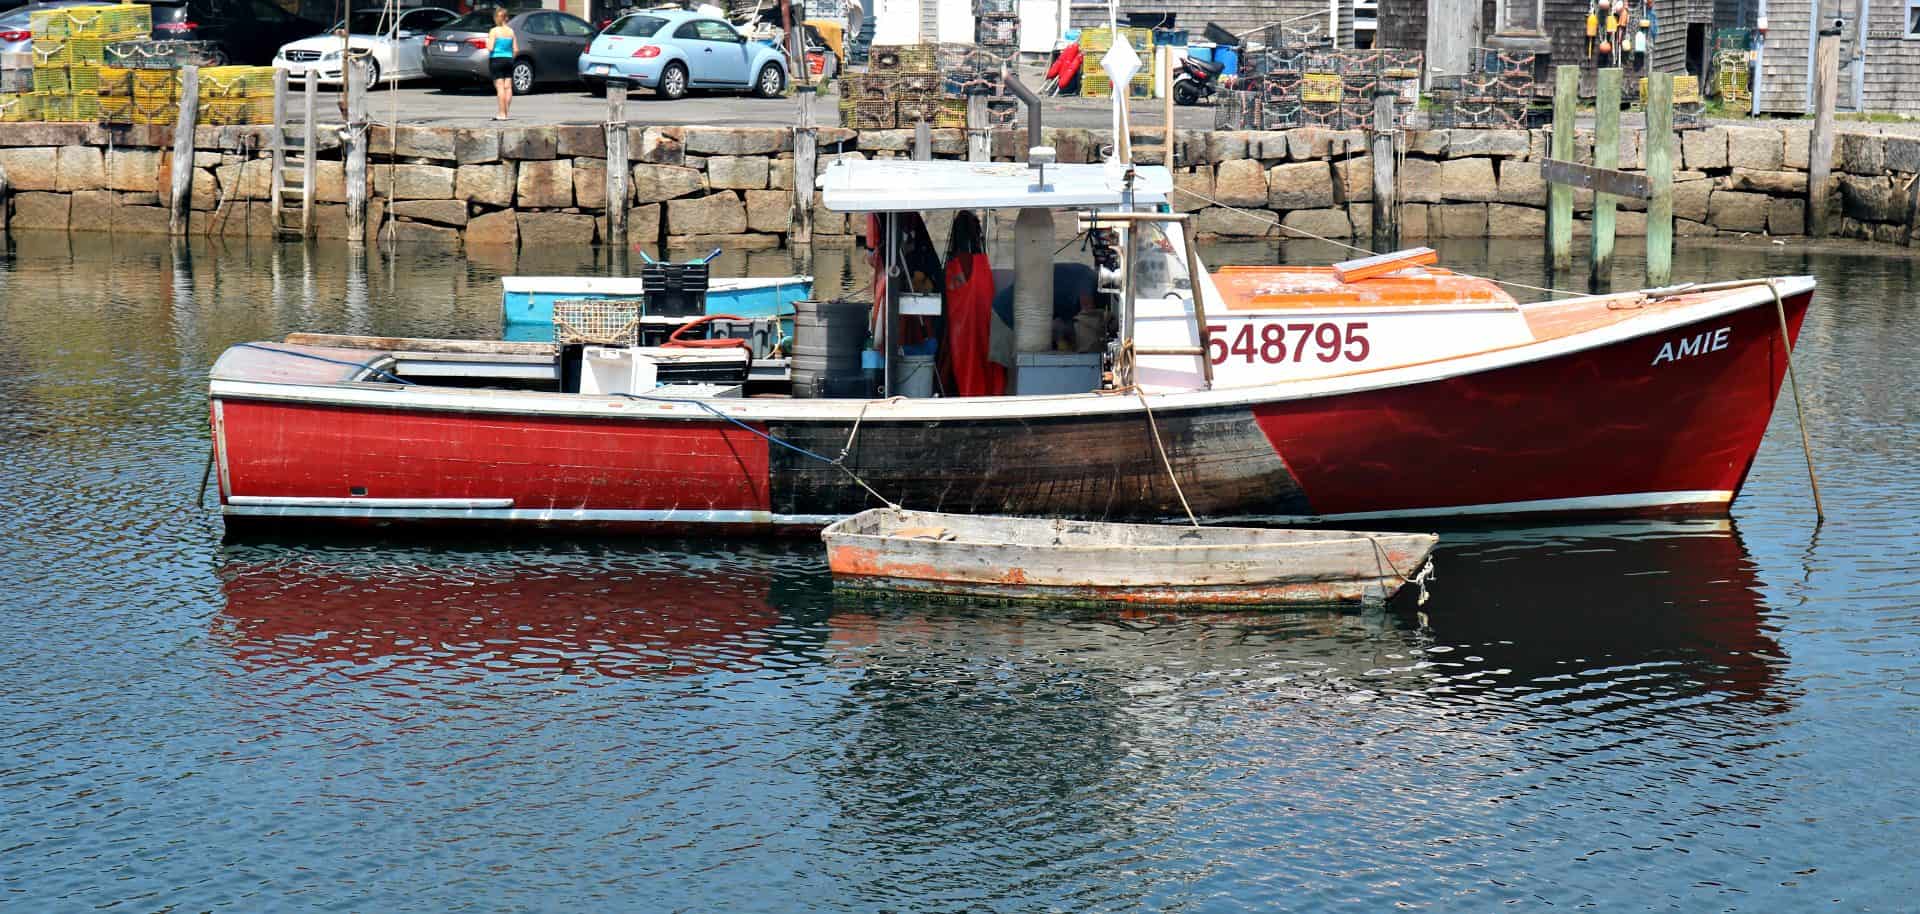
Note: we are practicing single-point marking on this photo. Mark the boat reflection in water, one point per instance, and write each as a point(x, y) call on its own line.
point(595, 612)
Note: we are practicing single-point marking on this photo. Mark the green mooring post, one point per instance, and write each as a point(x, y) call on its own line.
point(1658, 145)
point(1606, 154)
point(1566, 97)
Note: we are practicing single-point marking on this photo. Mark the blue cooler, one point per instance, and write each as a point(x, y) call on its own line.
point(1200, 51)
point(1228, 59)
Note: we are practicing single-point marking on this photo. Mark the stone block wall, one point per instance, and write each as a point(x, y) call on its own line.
point(699, 187)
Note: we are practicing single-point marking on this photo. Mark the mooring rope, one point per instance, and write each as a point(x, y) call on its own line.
point(1806, 445)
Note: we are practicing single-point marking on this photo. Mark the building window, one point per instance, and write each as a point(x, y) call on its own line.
point(1913, 18)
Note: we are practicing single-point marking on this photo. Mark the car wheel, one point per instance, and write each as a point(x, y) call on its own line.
point(673, 82)
point(522, 77)
point(770, 82)
point(373, 74)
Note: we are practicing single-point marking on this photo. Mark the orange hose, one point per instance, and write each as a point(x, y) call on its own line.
point(675, 342)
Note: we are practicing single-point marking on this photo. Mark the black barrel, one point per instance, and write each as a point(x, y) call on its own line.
point(827, 340)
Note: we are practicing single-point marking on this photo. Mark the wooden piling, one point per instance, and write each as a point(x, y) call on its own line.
point(279, 151)
point(922, 141)
point(1657, 144)
point(1606, 154)
point(805, 156)
point(1826, 80)
point(979, 132)
point(354, 150)
point(617, 163)
point(1566, 99)
point(1386, 200)
point(180, 210)
point(310, 132)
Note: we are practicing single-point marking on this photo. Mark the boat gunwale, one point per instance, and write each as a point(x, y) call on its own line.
point(1315, 537)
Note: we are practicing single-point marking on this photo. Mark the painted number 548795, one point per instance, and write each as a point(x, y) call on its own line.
point(1281, 342)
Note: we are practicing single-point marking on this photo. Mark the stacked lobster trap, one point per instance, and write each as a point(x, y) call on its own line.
point(1301, 85)
point(229, 96)
point(1500, 91)
point(996, 27)
point(907, 84)
point(1095, 43)
point(60, 79)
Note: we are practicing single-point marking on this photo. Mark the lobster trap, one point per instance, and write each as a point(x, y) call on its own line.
point(597, 321)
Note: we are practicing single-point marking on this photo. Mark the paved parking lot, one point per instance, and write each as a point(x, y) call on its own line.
point(419, 104)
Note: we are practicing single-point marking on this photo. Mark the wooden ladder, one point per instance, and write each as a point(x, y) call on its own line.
point(293, 183)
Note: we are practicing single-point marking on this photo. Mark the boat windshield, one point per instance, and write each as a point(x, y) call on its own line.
point(1159, 266)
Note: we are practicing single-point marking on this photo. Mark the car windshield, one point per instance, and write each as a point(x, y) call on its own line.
point(637, 26)
point(371, 22)
point(15, 19)
point(471, 22)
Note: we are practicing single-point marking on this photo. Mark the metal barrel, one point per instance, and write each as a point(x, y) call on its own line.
point(827, 339)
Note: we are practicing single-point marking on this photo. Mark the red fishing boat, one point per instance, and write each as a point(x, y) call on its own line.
point(1375, 389)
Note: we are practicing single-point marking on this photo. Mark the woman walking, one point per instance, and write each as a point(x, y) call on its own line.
point(503, 45)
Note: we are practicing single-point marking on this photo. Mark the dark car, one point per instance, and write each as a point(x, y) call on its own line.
point(247, 31)
point(550, 44)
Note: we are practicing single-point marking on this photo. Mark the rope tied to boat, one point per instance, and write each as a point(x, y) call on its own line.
point(1806, 445)
point(837, 462)
point(1123, 368)
point(1418, 580)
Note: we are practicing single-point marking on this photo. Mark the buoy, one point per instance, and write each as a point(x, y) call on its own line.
point(1606, 47)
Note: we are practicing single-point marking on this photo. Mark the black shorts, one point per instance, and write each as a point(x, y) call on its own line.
point(500, 67)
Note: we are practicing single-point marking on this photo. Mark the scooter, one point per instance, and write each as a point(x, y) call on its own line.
point(1195, 80)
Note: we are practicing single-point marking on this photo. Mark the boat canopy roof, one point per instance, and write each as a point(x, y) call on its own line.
point(903, 185)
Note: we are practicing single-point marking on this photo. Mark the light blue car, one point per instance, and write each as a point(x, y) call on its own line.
point(671, 51)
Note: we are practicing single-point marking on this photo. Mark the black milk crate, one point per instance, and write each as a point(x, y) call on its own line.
point(674, 289)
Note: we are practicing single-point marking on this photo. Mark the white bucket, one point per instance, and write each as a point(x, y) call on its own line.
point(916, 376)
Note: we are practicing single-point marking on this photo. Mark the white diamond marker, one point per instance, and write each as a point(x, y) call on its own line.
point(1120, 62)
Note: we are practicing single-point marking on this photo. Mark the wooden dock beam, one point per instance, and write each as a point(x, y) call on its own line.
point(1658, 142)
point(806, 151)
point(180, 208)
point(1606, 154)
point(1386, 199)
point(979, 131)
point(1566, 99)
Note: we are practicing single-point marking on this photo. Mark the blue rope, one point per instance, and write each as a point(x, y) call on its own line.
point(709, 407)
point(321, 358)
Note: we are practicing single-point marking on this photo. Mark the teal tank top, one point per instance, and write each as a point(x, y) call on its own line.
point(502, 47)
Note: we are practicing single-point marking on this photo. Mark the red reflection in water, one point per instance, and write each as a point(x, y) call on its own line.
point(575, 619)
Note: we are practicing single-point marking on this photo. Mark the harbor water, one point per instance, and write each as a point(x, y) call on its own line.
point(1687, 716)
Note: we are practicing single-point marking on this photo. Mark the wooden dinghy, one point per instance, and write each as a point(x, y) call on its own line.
point(1055, 559)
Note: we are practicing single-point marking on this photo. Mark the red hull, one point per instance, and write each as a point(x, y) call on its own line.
point(1614, 429)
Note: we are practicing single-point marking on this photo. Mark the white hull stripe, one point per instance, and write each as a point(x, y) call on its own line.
point(361, 508)
point(272, 501)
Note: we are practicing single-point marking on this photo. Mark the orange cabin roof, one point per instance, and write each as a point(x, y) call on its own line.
point(1266, 288)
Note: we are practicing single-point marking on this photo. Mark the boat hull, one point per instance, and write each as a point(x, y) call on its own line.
point(1614, 429)
point(526, 302)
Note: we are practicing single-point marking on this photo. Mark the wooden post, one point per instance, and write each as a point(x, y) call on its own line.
point(181, 209)
point(795, 47)
point(617, 163)
point(1606, 154)
point(806, 150)
point(1657, 143)
point(279, 175)
point(922, 141)
point(354, 150)
point(1386, 200)
point(310, 134)
point(1826, 85)
point(1166, 84)
point(1566, 96)
point(979, 132)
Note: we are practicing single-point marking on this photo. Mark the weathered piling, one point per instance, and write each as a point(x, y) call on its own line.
point(1606, 154)
point(1386, 198)
point(354, 150)
point(805, 152)
point(1658, 151)
point(922, 141)
point(979, 131)
point(1826, 80)
point(1566, 97)
point(617, 162)
point(180, 206)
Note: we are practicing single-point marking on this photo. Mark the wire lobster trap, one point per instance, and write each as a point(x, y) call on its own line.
point(597, 321)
